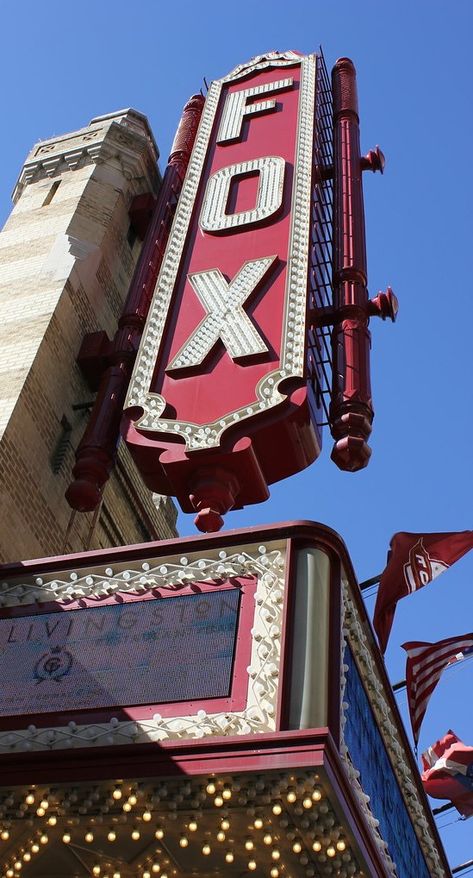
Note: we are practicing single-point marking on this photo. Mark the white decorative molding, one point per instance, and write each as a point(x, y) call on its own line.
point(267, 393)
point(356, 638)
point(267, 563)
point(261, 62)
point(118, 137)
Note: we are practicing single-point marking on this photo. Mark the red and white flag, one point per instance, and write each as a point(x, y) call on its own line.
point(414, 560)
point(425, 664)
point(448, 772)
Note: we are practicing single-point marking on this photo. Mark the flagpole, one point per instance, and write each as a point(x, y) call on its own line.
point(463, 866)
point(400, 685)
point(440, 810)
point(367, 582)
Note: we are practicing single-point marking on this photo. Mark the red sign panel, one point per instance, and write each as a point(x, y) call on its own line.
point(217, 407)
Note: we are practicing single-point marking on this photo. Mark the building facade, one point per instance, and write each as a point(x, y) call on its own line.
point(186, 708)
point(67, 256)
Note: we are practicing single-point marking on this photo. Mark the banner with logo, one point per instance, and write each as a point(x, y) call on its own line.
point(414, 560)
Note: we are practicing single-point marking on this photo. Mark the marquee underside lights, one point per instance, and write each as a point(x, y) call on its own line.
point(277, 824)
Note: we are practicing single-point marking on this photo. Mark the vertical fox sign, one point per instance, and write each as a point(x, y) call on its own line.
point(217, 406)
point(241, 307)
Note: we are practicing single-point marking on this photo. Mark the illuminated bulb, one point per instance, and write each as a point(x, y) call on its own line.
point(211, 788)
point(316, 795)
point(316, 846)
point(89, 837)
point(225, 824)
point(192, 826)
point(249, 844)
point(9, 873)
point(112, 835)
point(132, 799)
point(267, 838)
point(275, 854)
point(40, 811)
point(258, 823)
point(227, 793)
point(159, 833)
point(307, 802)
point(221, 835)
point(27, 857)
point(291, 796)
point(4, 835)
point(277, 808)
point(274, 872)
point(43, 838)
point(35, 848)
point(126, 806)
point(252, 865)
point(341, 845)
point(30, 799)
point(229, 857)
point(135, 834)
point(52, 820)
point(218, 801)
point(297, 846)
point(66, 839)
point(155, 868)
point(206, 849)
point(116, 875)
point(117, 794)
point(146, 816)
point(44, 803)
point(331, 851)
point(17, 865)
point(95, 870)
point(146, 874)
point(183, 841)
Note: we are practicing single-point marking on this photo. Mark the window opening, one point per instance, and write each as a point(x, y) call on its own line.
point(51, 193)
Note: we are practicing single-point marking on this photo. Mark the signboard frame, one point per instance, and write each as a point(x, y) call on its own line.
point(236, 697)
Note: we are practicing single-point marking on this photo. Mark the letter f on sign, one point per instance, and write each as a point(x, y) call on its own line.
point(236, 108)
point(225, 319)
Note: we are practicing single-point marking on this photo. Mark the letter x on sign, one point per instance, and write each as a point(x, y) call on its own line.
point(226, 318)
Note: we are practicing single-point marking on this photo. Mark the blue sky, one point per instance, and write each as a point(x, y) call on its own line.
point(61, 65)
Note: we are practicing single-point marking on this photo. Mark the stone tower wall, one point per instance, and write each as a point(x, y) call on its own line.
point(67, 255)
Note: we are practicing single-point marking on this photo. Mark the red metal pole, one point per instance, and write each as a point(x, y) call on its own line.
point(351, 411)
point(96, 452)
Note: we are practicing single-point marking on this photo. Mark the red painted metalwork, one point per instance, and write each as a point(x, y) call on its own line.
point(351, 408)
point(351, 411)
point(263, 444)
point(113, 361)
point(255, 438)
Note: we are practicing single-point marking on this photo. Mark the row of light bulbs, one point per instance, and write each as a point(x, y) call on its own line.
point(220, 790)
point(299, 793)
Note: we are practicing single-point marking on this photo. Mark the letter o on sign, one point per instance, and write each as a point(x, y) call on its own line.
point(213, 217)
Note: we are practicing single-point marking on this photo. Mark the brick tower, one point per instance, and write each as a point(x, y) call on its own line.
point(67, 255)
